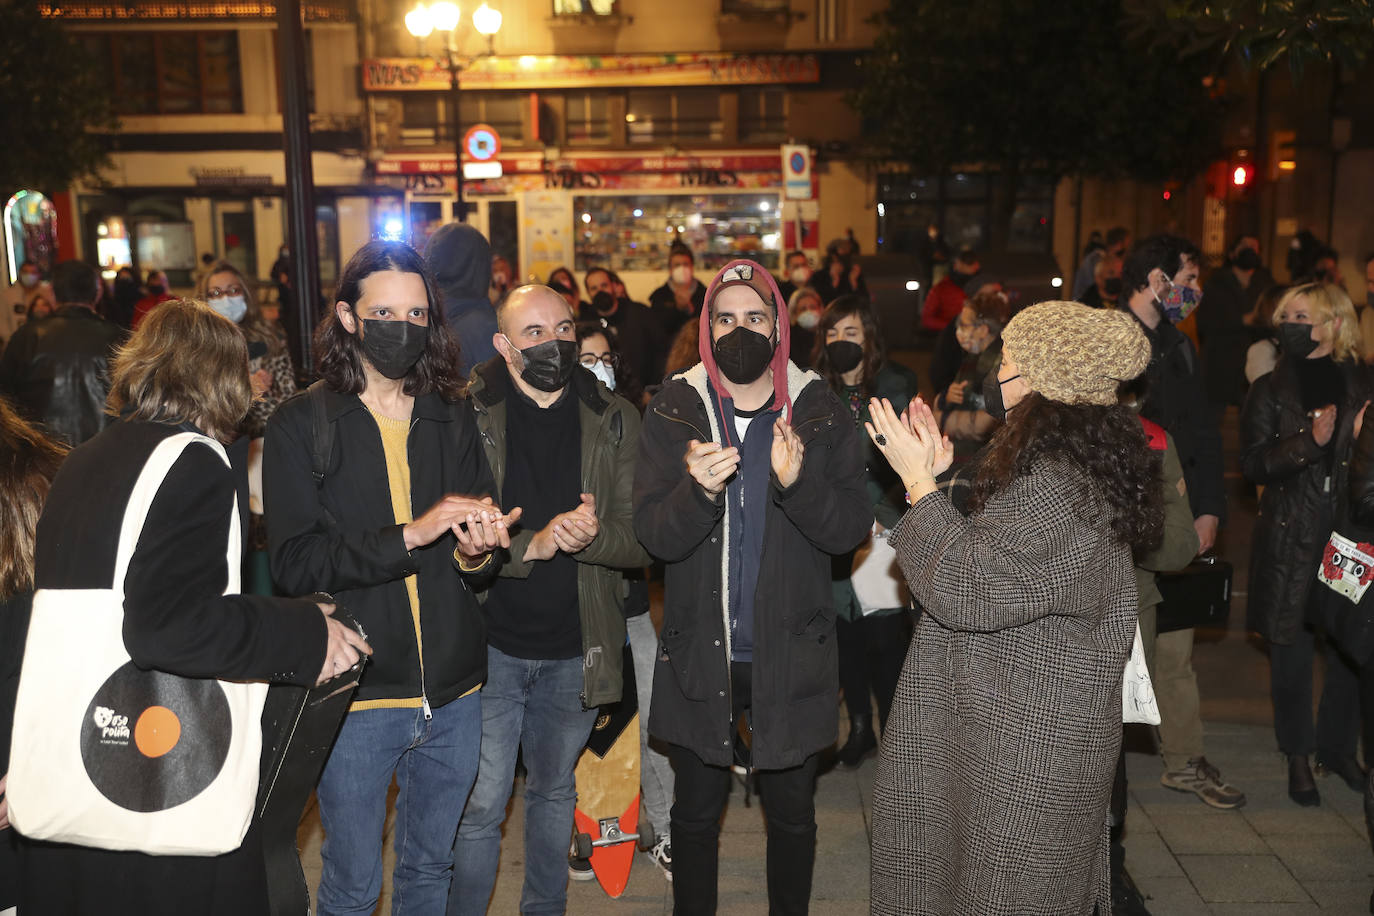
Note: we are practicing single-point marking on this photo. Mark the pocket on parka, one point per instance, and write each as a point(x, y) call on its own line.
point(812, 662)
point(675, 651)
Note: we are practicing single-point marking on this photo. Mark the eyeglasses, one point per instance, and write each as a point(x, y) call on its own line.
point(611, 360)
point(215, 292)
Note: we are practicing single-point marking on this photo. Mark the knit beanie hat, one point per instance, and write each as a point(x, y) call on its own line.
point(1076, 354)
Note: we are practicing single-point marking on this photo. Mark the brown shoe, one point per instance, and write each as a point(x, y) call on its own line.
point(1204, 781)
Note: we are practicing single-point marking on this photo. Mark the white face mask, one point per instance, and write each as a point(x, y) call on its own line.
point(231, 307)
point(799, 276)
point(605, 373)
point(28, 278)
point(682, 274)
point(808, 320)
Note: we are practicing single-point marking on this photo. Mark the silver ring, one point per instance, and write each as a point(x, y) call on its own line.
point(881, 440)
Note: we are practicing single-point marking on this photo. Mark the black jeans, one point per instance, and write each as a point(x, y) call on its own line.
point(789, 802)
point(872, 651)
point(1290, 678)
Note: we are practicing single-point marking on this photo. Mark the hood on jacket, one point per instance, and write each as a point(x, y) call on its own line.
point(459, 259)
point(744, 272)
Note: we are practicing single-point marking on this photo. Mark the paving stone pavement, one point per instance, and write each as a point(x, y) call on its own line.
point(1269, 857)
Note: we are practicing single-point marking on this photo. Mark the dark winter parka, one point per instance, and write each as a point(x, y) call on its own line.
point(826, 511)
point(1304, 483)
point(610, 434)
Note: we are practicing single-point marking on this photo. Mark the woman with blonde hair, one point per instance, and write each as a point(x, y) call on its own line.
point(28, 463)
point(184, 370)
point(1297, 428)
point(226, 290)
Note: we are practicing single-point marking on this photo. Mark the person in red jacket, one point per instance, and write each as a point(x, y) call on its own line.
point(946, 298)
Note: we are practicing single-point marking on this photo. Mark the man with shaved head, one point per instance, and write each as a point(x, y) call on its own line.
point(558, 440)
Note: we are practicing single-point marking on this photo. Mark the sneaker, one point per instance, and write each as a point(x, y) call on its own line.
point(580, 869)
point(662, 854)
point(1204, 781)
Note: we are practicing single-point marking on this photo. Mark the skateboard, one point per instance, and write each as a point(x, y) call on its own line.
point(607, 816)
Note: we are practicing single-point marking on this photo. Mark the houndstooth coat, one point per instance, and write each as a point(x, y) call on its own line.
point(997, 763)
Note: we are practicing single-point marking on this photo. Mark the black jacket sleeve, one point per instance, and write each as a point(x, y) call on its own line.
point(176, 615)
point(1362, 478)
point(1204, 469)
point(308, 551)
point(829, 501)
point(672, 513)
point(1267, 456)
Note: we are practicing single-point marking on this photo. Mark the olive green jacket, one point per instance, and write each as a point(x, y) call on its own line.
point(610, 446)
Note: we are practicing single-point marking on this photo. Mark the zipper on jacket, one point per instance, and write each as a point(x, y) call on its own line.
point(419, 633)
point(704, 437)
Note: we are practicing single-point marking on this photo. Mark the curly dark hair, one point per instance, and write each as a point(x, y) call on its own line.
point(1106, 442)
point(339, 354)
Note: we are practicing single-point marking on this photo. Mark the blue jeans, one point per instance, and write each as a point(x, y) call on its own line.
point(435, 763)
point(537, 706)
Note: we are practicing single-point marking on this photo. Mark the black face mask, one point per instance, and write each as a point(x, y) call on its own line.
point(1111, 287)
point(549, 365)
point(992, 395)
point(844, 355)
point(1296, 339)
point(393, 347)
point(742, 355)
point(1247, 259)
point(604, 303)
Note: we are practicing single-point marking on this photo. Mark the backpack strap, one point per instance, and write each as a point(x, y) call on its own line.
point(322, 439)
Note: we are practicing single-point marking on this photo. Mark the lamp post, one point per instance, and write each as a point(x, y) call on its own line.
point(444, 16)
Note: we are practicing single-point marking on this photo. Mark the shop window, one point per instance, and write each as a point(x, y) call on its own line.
point(169, 72)
point(683, 116)
point(419, 119)
point(588, 115)
point(584, 7)
point(502, 110)
point(959, 206)
point(762, 115)
point(634, 232)
point(30, 233)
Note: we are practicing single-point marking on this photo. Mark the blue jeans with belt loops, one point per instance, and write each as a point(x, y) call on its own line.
point(535, 705)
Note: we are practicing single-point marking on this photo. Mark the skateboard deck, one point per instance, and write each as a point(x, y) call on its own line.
point(607, 816)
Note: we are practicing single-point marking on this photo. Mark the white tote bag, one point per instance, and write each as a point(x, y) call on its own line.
point(876, 577)
point(1137, 690)
point(110, 756)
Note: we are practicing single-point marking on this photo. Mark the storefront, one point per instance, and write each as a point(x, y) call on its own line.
point(617, 210)
point(167, 211)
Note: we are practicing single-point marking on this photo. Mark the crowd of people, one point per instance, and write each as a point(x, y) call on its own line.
point(488, 476)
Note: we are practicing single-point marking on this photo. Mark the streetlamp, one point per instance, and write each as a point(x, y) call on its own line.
point(444, 16)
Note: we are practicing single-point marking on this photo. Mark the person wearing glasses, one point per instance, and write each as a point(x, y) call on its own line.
point(228, 292)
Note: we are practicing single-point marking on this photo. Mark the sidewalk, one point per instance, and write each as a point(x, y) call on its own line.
point(1270, 857)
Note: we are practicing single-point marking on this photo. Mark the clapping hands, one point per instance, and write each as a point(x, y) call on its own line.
point(911, 443)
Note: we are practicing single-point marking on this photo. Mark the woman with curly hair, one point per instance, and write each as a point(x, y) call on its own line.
point(996, 768)
point(1297, 429)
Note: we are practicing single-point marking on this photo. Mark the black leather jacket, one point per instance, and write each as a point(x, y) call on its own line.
point(1305, 487)
point(56, 371)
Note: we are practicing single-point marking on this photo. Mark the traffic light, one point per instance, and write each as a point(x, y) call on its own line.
point(1242, 174)
point(1283, 154)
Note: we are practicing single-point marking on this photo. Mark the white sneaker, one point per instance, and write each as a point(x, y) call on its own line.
point(662, 854)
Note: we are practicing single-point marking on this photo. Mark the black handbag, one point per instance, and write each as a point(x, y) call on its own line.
point(1199, 595)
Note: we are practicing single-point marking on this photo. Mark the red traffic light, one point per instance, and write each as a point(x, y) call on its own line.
point(1242, 174)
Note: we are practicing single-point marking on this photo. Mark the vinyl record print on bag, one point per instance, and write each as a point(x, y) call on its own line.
point(152, 741)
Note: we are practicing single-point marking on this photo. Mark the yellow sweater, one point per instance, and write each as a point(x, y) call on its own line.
point(395, 434)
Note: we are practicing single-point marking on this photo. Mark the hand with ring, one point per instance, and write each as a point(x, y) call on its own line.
point(710, 465)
